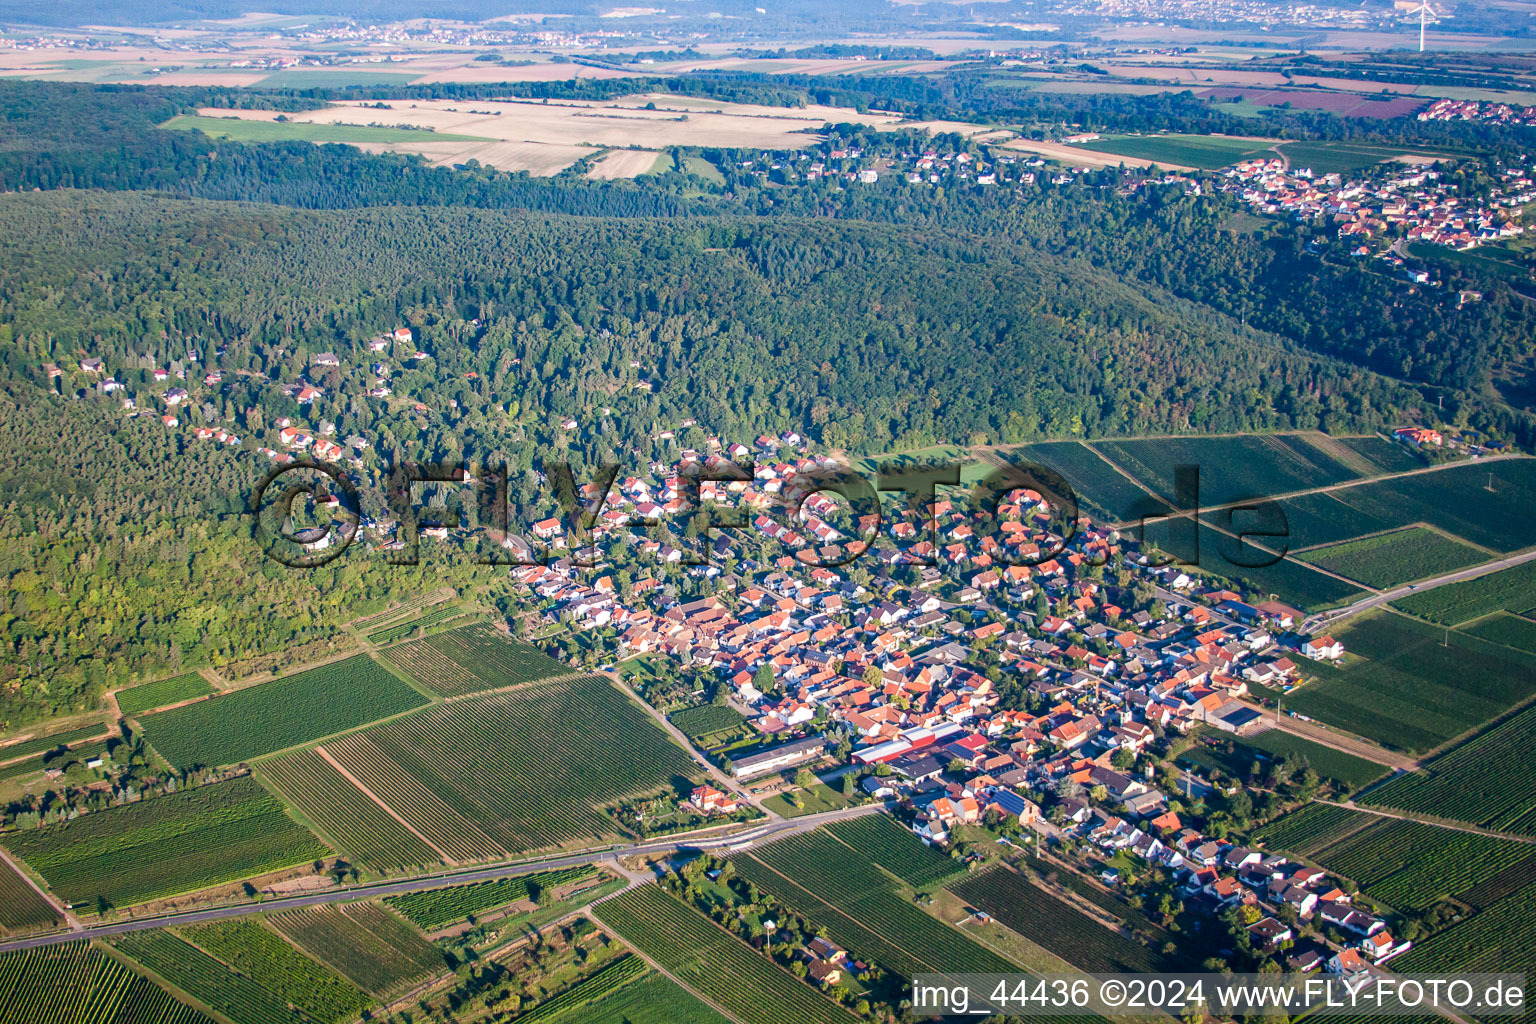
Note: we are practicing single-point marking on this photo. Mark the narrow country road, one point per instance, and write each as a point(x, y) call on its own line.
point(1341, 741)
point(1323, 619)
point(758, 833)
point(715, 773)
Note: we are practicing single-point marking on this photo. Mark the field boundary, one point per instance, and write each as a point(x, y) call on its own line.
point(371, 795)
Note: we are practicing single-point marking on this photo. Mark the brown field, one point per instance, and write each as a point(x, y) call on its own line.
point(544, 138)
point(624, 163)
point(542, 160)
point(1077, 156)
point(1348, 104)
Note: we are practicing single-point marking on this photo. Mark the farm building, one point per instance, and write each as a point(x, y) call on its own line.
point(779, 758)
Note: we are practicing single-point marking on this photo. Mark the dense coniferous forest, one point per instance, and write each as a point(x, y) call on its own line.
point(865, 319)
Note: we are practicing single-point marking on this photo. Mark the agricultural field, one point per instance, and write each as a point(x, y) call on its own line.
point(881, 924)
point(471, 660)
point(1346, 771)
point(1051, 922)
point(1455, 500)
point(884, 843)
point(863, 910)
point(205, 979)
point(447, 832)
point(1387, 455)
point(1459, 501)
point(437, 908)
point(148, 696)
point(1204, 152)
point(703, 168)
point(1293, 582)
point(1490, 780)
point(400, 630)
point(334, 78)
point(611, 977)
point(365, 944)
point(647, 998)
point(708, 726)
point(1501, 938)
point(1512, 589)
point(1500, 886)
point(714, 962)
point(74, 983)
point(1232, 468)
point(1410, 865)
point(248, 723)
point(1099, 487)
point(1335, 157)
point(526, 135)
point(263, 957)
point(1389, 559)
point(1312, 828)
point(22, 908)
point(167, 845)
point(1148, 930)
point(559, 751)
point(1411, 687)
point(1319, 519)
point(362, 829)
point(43, 744)
point(1503, 628)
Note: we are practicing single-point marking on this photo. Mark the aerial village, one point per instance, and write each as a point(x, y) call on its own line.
point(993, 673)
point(1417, 204)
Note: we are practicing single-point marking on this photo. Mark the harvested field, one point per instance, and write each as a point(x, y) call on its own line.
point(625, 163)
point(1077, 156)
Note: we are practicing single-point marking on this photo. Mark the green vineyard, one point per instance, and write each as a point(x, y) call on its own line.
point(611, 978)
point(75, 984)
point(436, 908)
point(1311, 828)
point(148, 696)
point(248, 723)
point(364, 830)
point(389, 634)
point(473, 659)
point(1046, 919)
point(168, 845)
point(262, 956)
point(714, 962)
point(205, 979)
point(549, 757)
point(1490, 780)
point(1410, 865)
point(23, 908)
point(365, 944)
point(886, 843)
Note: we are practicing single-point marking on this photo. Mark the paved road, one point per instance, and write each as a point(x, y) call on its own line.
point(1317, 622)
point(757, 833)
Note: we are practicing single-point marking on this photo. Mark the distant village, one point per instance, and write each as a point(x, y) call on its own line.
point(1411, 204)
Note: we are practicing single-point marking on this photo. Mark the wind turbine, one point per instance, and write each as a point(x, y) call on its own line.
point(1423, 13)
